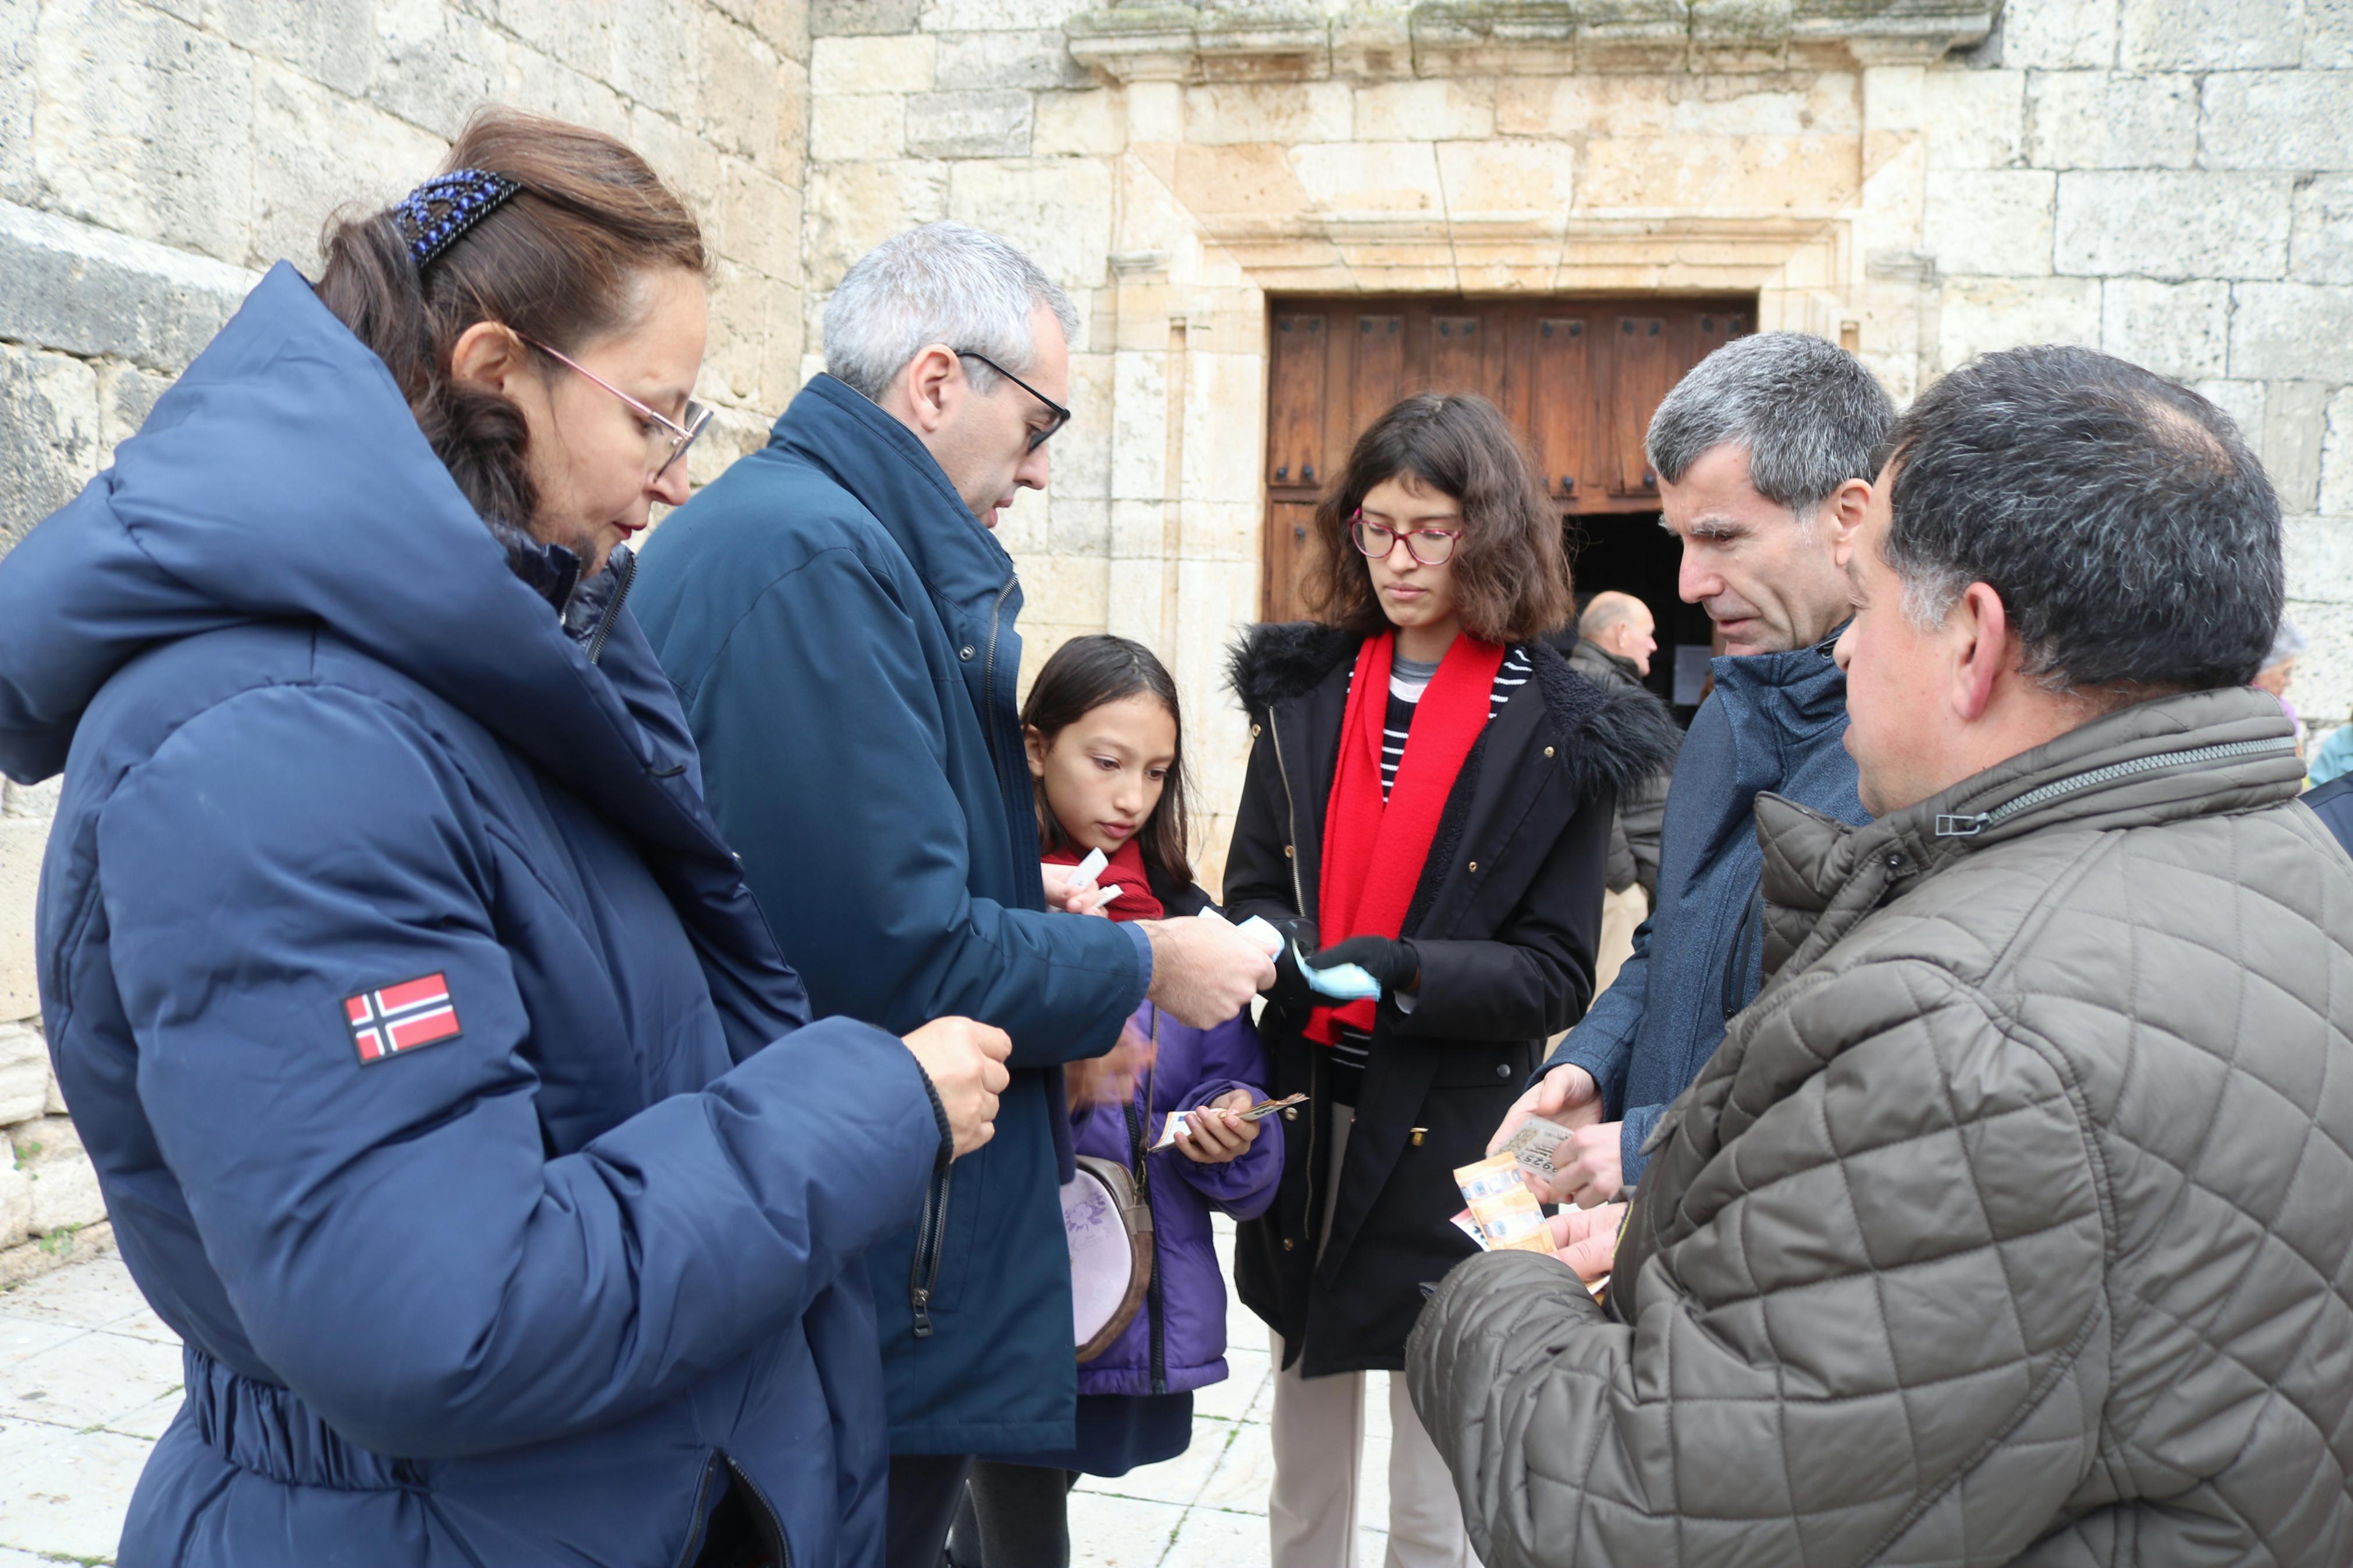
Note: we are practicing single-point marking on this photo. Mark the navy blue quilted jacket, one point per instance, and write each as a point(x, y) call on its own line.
point(420, 1024)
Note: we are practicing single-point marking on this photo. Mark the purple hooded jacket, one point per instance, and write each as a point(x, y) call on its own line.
point(1180, 1332)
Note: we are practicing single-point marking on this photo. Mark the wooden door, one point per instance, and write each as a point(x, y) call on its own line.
point(1579, 379)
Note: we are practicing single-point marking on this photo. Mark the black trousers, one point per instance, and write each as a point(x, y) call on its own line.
point(1013, 1516)
point(925, 1490)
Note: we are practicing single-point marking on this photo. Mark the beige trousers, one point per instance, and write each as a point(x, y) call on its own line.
point(1621, 913)
point(1319, 1443)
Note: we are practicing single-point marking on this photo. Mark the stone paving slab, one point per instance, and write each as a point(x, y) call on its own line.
point(89, 1378)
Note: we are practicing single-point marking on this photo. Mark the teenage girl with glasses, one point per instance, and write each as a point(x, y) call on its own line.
point(1429, 797)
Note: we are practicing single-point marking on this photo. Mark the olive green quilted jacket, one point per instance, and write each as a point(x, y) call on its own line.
point(2013, 1222)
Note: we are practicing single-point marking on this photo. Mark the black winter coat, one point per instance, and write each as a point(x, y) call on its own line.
point(1505, 919)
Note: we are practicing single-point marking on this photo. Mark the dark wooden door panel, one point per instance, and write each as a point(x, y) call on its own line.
point(1561, 408)
point(1641, 372)
point(1376, 380)
point(1457, 351)
point(1288, 528)
point(1296, 396)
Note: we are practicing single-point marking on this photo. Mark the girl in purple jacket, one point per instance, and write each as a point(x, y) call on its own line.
point(1102, 729)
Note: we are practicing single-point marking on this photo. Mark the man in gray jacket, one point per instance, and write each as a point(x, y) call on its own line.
point(2009, 1223)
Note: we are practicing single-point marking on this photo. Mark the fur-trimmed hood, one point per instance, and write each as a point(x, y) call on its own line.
point(1616, 739)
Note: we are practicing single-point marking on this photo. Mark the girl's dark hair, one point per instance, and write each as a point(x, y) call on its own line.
point(1510, 565)
point(562, 262)
point(1085, 673)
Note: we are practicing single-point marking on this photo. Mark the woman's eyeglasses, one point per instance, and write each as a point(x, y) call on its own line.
point(666, 442)
point(1060, 416)
point(1431, 546)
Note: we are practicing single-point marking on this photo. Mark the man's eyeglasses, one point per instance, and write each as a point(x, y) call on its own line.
point(1431, 546)
point(1061, 415)
point(666, 442)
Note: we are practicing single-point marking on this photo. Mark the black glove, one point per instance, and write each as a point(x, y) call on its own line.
point(1290, 992)
point(1388, 960)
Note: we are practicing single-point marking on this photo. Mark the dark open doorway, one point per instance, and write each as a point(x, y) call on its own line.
point(1578, 377)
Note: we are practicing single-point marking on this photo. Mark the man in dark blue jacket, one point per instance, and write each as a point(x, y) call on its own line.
point(838, 619)
point(1765, 454)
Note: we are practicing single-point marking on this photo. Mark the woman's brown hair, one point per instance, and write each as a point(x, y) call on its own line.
point(1510, 565)
point(1083, 674)
point(563, 262)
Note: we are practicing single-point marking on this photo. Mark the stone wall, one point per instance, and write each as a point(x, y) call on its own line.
point(2171, 180)
point(154, 158)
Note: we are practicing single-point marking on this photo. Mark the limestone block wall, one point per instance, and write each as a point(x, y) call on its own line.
point(155, 157)
point(2170, 181)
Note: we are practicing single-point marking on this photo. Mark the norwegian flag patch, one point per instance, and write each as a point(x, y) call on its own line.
point(402, 1017)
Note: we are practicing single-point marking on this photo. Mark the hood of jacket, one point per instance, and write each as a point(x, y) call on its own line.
point(283, 478)
point(1616, 738)
point(2196, 754)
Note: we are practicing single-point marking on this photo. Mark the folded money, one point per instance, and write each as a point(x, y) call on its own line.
point(1500, 1202)
point(1532, 1145)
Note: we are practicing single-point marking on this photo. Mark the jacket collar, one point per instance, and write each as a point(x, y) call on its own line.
point(1590, 658)
point(2199, 753)
point(893, 476)
point(1798, 692)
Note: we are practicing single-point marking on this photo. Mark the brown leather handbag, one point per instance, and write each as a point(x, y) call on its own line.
point(1107, 1217)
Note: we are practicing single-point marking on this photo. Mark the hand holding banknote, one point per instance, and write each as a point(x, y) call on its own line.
point(1567, 1095)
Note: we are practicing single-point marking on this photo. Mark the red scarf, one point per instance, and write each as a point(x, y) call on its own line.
point(1126, 873)
point(1373, 853)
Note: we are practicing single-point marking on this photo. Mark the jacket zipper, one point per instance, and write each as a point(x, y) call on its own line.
point(932, 1228)
point(1968, 825)
point(1315, 1059)
point(699, 1520)
point(930, 1237)
point(613, 610)
point(1142, 1160)
point(767, 1511)
point(1291, 814)
point(988, 671)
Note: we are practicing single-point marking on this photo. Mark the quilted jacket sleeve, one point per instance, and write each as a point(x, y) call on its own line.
point(1866, 1324)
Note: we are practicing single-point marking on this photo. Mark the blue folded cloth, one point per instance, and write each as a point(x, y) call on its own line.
point(1342, 982)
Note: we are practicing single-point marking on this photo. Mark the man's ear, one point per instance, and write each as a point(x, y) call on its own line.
point(487, 357)
point(1984, 650)
point(928, 378)
point(1844, 509)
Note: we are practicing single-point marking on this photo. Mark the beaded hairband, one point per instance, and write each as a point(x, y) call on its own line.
point(440, 212)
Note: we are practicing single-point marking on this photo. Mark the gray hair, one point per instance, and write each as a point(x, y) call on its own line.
point(942, 283)
point(1808, 414)
point(2288, 643)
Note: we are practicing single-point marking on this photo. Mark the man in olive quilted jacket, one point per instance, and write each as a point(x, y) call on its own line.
point(2010, 1223)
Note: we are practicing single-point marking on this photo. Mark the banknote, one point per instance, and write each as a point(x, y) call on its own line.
point(1502, 1205)
point(1532, 1145)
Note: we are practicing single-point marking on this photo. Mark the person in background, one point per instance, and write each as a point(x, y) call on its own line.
point(838, 621)
point(2279, 672)
point(1107, 751)
point(1764, 453)
point(1615, 637)
point(2009, 1223)
point(1428, 797)
point(452, 1101)
point(2333, 758)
